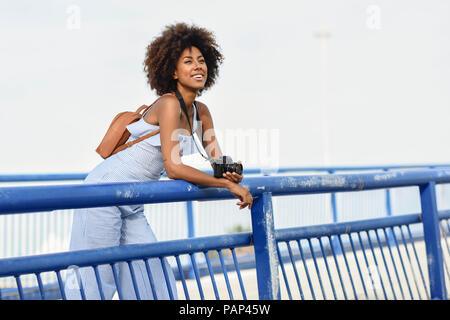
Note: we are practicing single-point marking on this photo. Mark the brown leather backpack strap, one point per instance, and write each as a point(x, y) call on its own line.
point(129, 144)
point(143, 107)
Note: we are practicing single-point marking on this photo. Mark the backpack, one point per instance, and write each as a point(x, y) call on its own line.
point(117, 134)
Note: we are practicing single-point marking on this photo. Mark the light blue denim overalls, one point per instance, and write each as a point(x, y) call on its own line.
point(113, 226)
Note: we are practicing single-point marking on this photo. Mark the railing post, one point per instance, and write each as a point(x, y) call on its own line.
point(432, 241)
point(390, 237)
point(388, 200)
point(190, 219)
point(334, 239)
point(190, 233)
point(265, 248)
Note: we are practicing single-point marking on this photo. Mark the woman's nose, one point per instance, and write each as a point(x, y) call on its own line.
point(197, 65)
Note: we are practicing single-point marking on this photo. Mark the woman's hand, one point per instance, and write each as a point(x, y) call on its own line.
point(233, 177)
point(243, 194)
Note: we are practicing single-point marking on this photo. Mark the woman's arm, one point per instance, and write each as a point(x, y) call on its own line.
point(169, 118)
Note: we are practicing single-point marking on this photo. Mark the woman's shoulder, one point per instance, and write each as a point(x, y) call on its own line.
point(167, 99)
point(167, 103)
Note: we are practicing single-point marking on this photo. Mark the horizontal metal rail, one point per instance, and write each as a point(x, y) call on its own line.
point(351, 226)
point(345, 228)
point(45, 198)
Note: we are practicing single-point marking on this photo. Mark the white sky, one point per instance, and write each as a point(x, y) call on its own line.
point(383, 76)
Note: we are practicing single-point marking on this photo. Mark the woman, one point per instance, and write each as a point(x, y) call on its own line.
point(180, 63)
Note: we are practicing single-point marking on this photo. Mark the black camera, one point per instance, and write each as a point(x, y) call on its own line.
point(225, 164)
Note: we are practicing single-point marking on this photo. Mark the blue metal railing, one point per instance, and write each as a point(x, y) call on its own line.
point(264, 238)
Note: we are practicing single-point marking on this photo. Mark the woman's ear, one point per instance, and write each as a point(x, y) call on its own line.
point(175, 76)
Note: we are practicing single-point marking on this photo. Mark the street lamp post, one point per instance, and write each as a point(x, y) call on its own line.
point(323, 35)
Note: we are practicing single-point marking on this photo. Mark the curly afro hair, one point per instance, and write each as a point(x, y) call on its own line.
point(164, 51)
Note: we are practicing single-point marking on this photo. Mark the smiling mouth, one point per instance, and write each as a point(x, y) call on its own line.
point(198, 77)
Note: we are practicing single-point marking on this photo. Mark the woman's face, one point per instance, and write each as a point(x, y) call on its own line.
point(191, 70)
